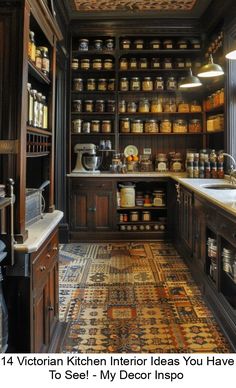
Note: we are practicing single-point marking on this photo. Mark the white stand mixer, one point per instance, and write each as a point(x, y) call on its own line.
point(87, 161)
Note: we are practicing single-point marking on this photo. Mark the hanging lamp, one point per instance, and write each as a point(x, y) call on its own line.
point(231, 55)
point(211, 69)
point(190, 81)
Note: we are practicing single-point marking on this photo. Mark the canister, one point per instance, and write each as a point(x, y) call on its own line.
point(127, 194)
point(134, 216)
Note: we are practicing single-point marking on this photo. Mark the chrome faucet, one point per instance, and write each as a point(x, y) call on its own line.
point(232, 173)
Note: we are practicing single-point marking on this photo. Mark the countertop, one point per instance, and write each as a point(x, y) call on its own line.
point(152, 174)
point(39, 232)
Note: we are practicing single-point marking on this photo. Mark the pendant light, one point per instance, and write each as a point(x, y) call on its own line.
point(190, 81)
point(231, 55)
point(211, 69)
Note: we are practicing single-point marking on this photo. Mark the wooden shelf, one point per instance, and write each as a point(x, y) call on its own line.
point(141, 223)
point(38, 74)
point(163, 134)
point(36, 154)
point(38, 131)
point(161, 51)
point(84, 53)
point(141, 208)
point(217, 109)
point(155, 92)
point(160, 114)
point(93, 71)
point(94, 134)
point(93, 113)
point(99, 92)
point(150, 70)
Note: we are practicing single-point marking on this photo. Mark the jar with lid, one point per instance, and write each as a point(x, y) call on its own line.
point(98, 44)
point(74, 63)
point(145, 163)
point(95, 126)
point(102, 84)
point(31, 47)
point(147, 84)
point(151, 126)
point(201, 170)
point(136, 126)
point(144, 106)
point(133, 63)
point(131, 107)
point(168, 44)
point(108, 64)
point(30, 104)
point(97, 64)
point(100, 106)
point(167, 63)
point(45, 60)
point(155, 63)
point(159, 198)
point(138, 44)
point(111, 106)
point(124, 84)
point(171, 83)
point(195, 107)
point(165, 126)
point(122, 106)
point(125, 125)
point(182, 44)
point(221, 96)
point(147, 200)
point(155, 44)
point(78, 85)
point(176, 164)
point(213, 156)
point(180, 126)
point(207, 170)
point(188, 63)
point(91, 84)
point(170, 106)
point(196, 169)
point(195, 126)
point(196, 44)
point(76, 126)
point(110, 44)
point(106, 126)
point(139, 198)
point(146, 216)
point(85, 64)
point(39, 59)
point(179, 63)
point(124, 64)
point(156, 106)
point(88, 106)
point(135, 84)
point(83, 44)
point(134, 216)
point(125, 44)
point(159, 83)
point(183, 107)
point(77, 106)
point(86, 126)
point(143, 63)
point(35, 107)
point(111, 84)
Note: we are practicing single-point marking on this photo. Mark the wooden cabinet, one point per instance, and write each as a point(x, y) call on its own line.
point(185, 200)
point(199, 233)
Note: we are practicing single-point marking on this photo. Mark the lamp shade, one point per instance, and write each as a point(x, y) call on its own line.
point(190, 81)
point(231, 55)
point(211, 69)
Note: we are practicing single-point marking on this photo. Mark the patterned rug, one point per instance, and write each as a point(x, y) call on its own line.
point(133, 298)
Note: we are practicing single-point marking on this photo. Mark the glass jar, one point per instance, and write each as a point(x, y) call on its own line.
point(124, 84)
point(213, 156)
point(78, 85)
point(106, 126)
point(125, 125)
point(76, 126)
point(147, 84)
point(156, 106)
point(170, 106)
point(98, 44)
point(159, 198)
point(86, 127)
point(196, 44)
point(190, 169)
point(91, 84)
point(131, 107)
point(88, 106)
point(134, 216)
point(85, 64)
point(111, 106)
point(136, 126)
point(31, 47)
point(161, 163)
point(176, 164)
point(97, 64)
point(133, 63)
point(110, 44)
point(77, 106)
point(195, 107)
point(125, 44)
point(108, 64)
point(168, 44)
point(171, 83)
point(102, 84)
point(183, 107)
point(83, 44)
point(45, 60)
point(124, 64)
point(135, 84)
point(195, 126)
point(138, 44)
point(143, 63)
point(151, 126)
point(100, 106)
point(188, 63)
point(95, 126)
point(155, 63)
point(167, 64)
point(144, 106)
point(145, 163)
point(221, 97)
point(180, 63)
point(38, 59)
point(180, 126)
point(122, 106)
point(182, 44)
point(146, 216)
point(159, 83)
point(165, 126)
point(74, 64)
point(155, 44)
point(111, 84)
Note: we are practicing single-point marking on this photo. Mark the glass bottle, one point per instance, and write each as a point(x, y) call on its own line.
point(35, 107)
point(45, 60)
point(31, 47)
point(30, 104)
point(40, 110)
point(38, 59)
point(45, 113)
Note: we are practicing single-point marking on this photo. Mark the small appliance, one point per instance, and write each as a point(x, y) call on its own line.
point(87, 161)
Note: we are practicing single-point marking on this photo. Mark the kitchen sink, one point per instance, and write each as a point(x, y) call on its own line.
point(225, 186)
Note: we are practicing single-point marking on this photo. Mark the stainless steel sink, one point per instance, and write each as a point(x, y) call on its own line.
point(226, 186)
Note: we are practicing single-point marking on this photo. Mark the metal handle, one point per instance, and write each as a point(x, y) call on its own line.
point(50, 308)
point(48, 255)
point(42, 268)
point(55, 248)
point(92, 209)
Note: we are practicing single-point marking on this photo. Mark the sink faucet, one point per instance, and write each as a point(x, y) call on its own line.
point(232, 167)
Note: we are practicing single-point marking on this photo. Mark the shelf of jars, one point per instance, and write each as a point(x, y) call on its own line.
point(162, 134)
point(97, 53)
point(160, 51)
point(154, 70)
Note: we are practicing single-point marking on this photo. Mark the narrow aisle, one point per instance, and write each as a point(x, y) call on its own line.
point(133, 298)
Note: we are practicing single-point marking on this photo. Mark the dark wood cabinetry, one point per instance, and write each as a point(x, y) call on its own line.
point(185, 220)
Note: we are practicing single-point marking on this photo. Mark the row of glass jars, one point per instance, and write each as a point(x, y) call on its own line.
point(157, 44)
point(96, 44)
point(94, 64)
point(214, 100)
point(158, 63)
point(143, 228)
point(93, 126)
point(92, 84)
point(164, 126)
point(148, 84)
point(158, 105)
point(90, 106)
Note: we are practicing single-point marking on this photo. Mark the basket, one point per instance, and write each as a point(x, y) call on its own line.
point(35, 205)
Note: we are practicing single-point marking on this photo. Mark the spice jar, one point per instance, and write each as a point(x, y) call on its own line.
point(97, 44)
point(188, 63)
point(170, 106)
point(195, 107)
point(138, 44)
point(171, 83)
point(155, 44)
point(122, 106)
point(100, 106)
point(143, 63)
point(168, 44)
point(95, 126)
point(161, 163)
point(131, 107)
point(195, 126)
point(146, 216)
point(102, 84)
point(167, 63)
point(124, 125)
point(74, 63)
point(86, 127)
point(139, 198)
point(124, 64)
point(76, 106)
point(88, 106)
point(144, 106)
point(165, 126)
point(183, 107)
point(135, 84)
point(111, 84)
point(125, 44)
point(179, 126)
point(180, 63)
point(159, 198)
point(147, 84)
point(176, 164)
point(108, 64)
point(38, 59)
point(156, 106)
point(145, 164)
point(106, 126)
point(97, 64)
point(196, 44)
point(133, 63)
point(155, 63)
point(151, 126)
point(78, 85)
point(190, 169)
point(136, 126)
point(111, 107)
point(109, 44)
point(134, 216)
point(31, 47)
point(91, 84)
point(76, 126)
point(196, 169)
point(182, 44)
point(124, 84)
point(159, 83)
point(45, 60)
point(85, 64)
point(83, 44)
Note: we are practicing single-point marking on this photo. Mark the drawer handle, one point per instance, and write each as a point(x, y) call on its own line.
point(50, 308)
point(42, 268)
point(92, 209)
point(48, 255)
point(55, 248)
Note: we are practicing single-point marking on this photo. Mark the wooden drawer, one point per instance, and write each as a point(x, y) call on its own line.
point(92, 184)
point(44, 260)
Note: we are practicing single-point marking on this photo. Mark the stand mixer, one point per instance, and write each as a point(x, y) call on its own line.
point(87, 161)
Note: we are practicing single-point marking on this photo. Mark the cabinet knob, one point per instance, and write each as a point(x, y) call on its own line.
point(42, 268)
point(48, 255)
point(55, 248)
point(50, 308)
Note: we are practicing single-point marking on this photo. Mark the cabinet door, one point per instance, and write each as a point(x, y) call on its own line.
point(40, 321)
point(199, 234)
point(102, 209)
point(186, 218)
point(79, 214)
point(53, 298)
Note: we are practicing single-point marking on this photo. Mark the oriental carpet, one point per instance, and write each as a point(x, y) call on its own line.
point(133, 297)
